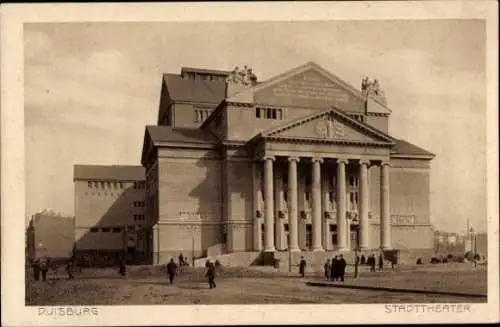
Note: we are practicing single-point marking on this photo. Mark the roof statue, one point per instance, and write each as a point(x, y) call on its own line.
point(243, 76)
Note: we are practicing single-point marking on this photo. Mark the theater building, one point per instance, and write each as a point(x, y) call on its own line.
point(302, 161)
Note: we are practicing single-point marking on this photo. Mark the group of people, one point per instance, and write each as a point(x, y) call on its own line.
point(172, 271)
point(40, 268)
point(335, 269)
point(372, 262)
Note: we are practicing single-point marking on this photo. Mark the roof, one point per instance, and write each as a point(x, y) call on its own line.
point(205, 71)
point(110, 172)
point(179, 135)
point(195, 90)
point(403, 147)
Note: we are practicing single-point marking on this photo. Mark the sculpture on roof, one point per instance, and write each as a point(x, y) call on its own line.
point(369, 87)
point(243, 76)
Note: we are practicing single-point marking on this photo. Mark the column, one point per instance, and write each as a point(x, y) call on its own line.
point(268, 205)
point(278, 195)
point(326, 208)
point(341, 206)
point(316, 204)
point(385, 217)
point(293, 211)
point(363, 207)
point(257, 194)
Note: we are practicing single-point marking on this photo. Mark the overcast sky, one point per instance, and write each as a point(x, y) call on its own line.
point(91, 88)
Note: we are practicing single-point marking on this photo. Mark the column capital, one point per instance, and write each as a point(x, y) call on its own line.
point(272, 158)
point(385, 163)
point(364, 162)
point(296, 159)
point(317, 159)
point(342, 160)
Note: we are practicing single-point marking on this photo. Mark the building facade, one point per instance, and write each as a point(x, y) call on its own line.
point(50, 234)
point(110, 211)
point(302, 161)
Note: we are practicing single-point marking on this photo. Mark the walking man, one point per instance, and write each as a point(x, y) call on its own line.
point(44, 268)
point(335, 268)
point(342, 264)
point(211, 275)
point(69, 269)
point(380, 262)
point(171, 271)
point(302, 266)
point(36, 269)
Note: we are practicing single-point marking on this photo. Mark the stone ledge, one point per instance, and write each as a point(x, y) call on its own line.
point(389, 289)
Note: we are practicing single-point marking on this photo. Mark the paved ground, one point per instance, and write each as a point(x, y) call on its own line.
point(243, 287)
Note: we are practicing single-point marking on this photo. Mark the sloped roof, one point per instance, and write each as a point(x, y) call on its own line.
point(110, 172)
point(403, 147)
point(195, 90)
point(179, 135)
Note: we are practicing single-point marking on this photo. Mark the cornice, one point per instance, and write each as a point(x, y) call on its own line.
point(325, 141)
point(378, 114)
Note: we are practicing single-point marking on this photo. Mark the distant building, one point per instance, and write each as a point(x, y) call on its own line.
point(479, 244)
point(50, 234)
point(449, 243)
point(110, 212)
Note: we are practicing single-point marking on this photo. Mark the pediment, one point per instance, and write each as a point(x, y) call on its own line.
point(330, 125)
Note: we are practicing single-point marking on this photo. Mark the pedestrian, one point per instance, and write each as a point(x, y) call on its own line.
point(123, 265)
point(181, 260)
point(363, 259)
point(381, 262)
point(342, 264)
point(171, 270)
point(44, 268)
point(328, 269)
point(372, 262)
point(69, 268)
point(211, 275)
point(36, 269)
point(302, 267)
point(335, 266)
point(356, 265)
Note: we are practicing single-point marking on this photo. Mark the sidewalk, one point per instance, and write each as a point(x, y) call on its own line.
point(471, 283)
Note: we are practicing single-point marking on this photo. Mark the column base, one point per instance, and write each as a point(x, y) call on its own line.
point(270, 249)
point(342, 249)
point(385, 247)
point(318, 250)
point(295, 250)
point(364, 248)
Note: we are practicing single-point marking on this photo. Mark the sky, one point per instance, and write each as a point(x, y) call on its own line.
point(90, 88)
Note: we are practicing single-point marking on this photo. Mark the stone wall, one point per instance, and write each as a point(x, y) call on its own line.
point(190, 207)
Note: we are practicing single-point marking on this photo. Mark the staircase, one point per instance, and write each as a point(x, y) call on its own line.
point(315, 260)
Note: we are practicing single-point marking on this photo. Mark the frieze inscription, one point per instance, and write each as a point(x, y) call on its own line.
point(311, 89)
point(402, 219)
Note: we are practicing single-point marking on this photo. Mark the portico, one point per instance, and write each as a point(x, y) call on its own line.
point(317, 187)
point(347, 209)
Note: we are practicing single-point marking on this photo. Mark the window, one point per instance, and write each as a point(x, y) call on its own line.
point(89, 184)
point(308, 196)
point(106, 230)
point(285, 196)
point(94, 230)
point(117, 230)
point(269, 113)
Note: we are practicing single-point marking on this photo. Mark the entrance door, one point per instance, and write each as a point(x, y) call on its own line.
point(308, 236)
point(354, 234)
point(333, 235)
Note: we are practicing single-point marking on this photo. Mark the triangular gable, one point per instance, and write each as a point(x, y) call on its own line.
point(307, 85)
point(331, 125)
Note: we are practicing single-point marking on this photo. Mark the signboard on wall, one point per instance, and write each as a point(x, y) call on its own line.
point(403, 219)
